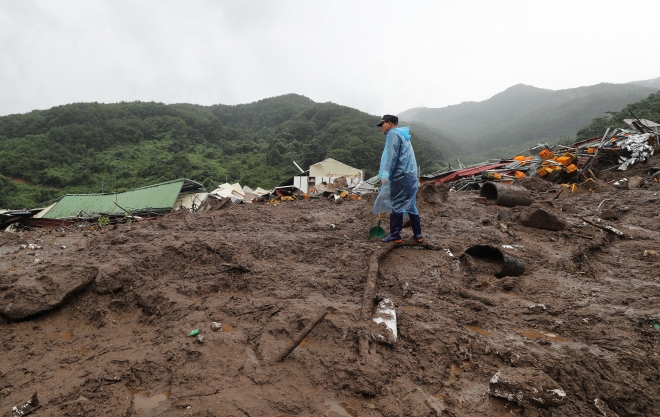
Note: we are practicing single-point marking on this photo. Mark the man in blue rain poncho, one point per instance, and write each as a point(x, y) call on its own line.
point(398, 179)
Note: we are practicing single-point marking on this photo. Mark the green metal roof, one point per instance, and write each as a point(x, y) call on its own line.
point(153, 198)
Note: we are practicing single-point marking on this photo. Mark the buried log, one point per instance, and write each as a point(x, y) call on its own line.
point(511, 266)
point(372, 275)
point(506, 195)
point(607, 228)
point(295, 342)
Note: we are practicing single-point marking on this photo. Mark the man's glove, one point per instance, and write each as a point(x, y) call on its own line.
point(384, 181)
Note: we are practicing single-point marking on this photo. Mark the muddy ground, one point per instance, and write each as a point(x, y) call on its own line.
point(98, 326)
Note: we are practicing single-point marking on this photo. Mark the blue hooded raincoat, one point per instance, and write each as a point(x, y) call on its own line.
point(398, 165)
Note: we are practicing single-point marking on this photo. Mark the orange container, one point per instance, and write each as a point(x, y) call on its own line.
point(546, 154)
point(544, 171)
point(570, 155)
point(519, 158)
point(564, 160)
point(519, 174)
point(571, 168)
point(591, 150)
point(494, 175)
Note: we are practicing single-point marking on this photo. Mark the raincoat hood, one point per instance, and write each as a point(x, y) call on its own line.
point(403, 131)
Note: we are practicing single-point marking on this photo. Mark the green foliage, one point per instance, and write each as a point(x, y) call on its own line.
point(566, 140)
point(649, 109)
point(92, 147)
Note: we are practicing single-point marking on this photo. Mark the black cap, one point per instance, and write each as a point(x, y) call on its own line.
point(388, 118)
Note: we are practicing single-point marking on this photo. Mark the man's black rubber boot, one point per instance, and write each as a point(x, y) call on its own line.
point(396, 224)
point(416, 227)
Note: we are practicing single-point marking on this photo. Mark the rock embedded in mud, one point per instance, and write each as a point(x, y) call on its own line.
point(49, 288)
point(635, 182)
point(526, 386)
point(542, 219)
point(609, 214)
point(216, 325)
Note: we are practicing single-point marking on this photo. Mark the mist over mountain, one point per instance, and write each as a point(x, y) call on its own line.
point(653, 83)
point(523, 114)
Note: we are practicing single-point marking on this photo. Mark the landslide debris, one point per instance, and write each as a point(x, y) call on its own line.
point(101, 326)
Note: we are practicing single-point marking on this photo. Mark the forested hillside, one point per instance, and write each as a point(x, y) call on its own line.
point(92, 147)
point(649, 109)
point(524, 115)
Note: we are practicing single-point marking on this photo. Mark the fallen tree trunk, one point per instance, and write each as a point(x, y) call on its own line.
point(294, 344)
point(372, 275)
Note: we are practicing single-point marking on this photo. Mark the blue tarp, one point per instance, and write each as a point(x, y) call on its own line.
point(399, 166)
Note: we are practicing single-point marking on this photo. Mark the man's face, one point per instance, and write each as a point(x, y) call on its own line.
point(385, 127)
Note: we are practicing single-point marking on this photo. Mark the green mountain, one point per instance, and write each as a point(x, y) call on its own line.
point(649, 109)
point(93, 147)
point(523, 115)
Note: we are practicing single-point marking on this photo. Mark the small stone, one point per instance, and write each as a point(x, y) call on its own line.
point(200, 338)
point(609, 214)
point(216, 325)
point(635, 182)
point(541, 219)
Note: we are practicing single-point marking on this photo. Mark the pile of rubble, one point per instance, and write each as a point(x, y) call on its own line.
point(558, 164)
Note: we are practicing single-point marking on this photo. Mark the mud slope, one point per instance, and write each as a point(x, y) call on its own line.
point(576, 321)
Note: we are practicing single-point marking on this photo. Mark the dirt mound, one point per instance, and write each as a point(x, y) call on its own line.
point(535, 184)
point(577, 320)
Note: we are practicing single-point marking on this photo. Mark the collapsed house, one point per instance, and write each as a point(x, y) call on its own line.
point(146, 201)
point(327, 172)
point(239, 194)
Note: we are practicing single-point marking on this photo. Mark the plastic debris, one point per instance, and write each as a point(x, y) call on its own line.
point(193, 333)
point(385, 313)
point(26, 408)
point(655, 322)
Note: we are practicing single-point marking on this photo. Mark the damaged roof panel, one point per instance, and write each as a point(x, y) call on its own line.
point(156, 198)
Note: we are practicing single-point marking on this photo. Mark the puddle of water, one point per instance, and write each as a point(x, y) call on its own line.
point(342, 409)
point(479, 330)
point(504, 407)
point(227, 328)
point(533, 334)
point(67, 335)
point(145, 403)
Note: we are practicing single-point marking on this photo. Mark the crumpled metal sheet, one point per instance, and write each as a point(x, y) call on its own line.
point(637, 145)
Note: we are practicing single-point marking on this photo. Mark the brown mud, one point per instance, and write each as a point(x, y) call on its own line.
point(119, 345)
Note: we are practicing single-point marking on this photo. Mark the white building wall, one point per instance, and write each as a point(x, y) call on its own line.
point(301, 183)
point(330, 169)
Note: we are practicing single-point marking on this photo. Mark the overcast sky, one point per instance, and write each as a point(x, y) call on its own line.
point(376, 56)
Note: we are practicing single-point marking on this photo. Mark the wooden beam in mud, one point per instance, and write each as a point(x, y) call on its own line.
point(294, 344)
point(372, 274)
